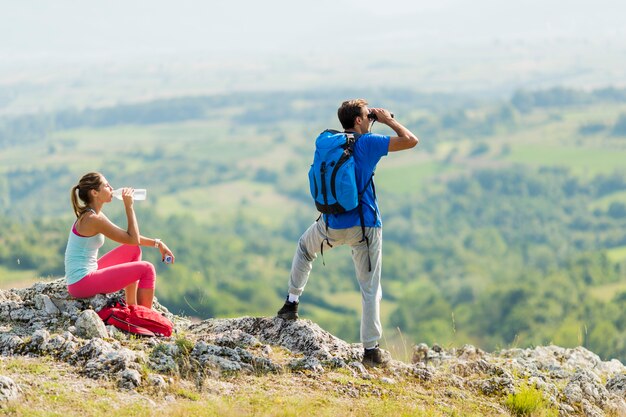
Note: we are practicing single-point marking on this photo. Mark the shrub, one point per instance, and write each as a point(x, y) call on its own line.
point(529, 401)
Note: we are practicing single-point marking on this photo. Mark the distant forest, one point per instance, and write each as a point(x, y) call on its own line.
point(487, 240)
point(272, 107)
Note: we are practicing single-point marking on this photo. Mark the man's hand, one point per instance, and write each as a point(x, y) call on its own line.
point(383, 115)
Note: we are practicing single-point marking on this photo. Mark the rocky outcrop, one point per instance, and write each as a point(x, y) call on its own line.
point(45, 320)
point(8, 389)
point(576, 381)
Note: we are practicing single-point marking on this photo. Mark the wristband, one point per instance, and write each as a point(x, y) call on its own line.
point(157, 243)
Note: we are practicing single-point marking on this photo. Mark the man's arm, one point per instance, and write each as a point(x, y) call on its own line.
point(405, 139)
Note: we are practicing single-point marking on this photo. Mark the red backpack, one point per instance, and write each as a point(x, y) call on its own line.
point(136, 319)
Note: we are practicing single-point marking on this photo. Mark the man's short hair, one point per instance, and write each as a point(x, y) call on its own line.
point(349, 111)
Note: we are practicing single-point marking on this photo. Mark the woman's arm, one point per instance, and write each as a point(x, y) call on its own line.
point(94, 223)
point(159, 244)
point(99, 223)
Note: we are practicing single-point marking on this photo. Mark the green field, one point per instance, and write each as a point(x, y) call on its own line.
point(227, 201)
point(582, 161)
point(12, 278)
point(617, 254)
point(497, 225)
point(605, 202)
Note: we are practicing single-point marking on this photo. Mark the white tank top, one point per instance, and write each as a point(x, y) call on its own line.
point(81, 255)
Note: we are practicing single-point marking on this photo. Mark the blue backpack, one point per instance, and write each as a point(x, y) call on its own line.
point(332, 177)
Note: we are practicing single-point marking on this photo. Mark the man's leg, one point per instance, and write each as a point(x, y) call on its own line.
point(369, 281)
point(306, 251)
point(309, 244)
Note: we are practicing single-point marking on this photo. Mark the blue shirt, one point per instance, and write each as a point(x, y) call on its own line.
point(368, 150)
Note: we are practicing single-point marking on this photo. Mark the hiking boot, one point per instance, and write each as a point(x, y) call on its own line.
point(374, 357)
point(289, 311)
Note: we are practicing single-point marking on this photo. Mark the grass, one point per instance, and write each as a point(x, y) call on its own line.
point(582, 161)
point(407, 179)
point(11, 278)
point(617, 254)
point(605, 293)
point(529, 401)
point(54, 389)
point(227, 200)
point(605, 202)
point(84, 148)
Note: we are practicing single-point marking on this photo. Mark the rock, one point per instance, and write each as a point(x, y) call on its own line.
point(38, 341)
point(420, 352)
point(497, 386)
point(306, 364)
point(106, 364)
point(129, 379)
point(223, 364)
point(421, 372)
point(90, 325)
point(617, 385)
point(115, 333)
point(162, 359)
point(359, 367)
point(43, 302)
point(298, 336)
point(206, 353)
point(267, 350)
point(469, 352)
point(435, 356)
point(236, 338)
point(157, 382)
point(10, 343)
point(9, 390)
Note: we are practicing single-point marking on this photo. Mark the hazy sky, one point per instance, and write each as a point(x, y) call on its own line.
point(71, 29)
point(77, 53)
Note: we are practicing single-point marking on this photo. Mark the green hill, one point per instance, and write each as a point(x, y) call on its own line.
point(505, 226)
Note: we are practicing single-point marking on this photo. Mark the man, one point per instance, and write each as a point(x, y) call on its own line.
point(345, 228)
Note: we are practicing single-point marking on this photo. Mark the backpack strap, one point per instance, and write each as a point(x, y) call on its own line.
point(324, 240)
point(362, 219)
point(327, 241)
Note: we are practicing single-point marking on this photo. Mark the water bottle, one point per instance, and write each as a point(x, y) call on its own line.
point(140, 194)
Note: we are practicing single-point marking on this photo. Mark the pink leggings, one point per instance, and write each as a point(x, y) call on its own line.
point(116, 270)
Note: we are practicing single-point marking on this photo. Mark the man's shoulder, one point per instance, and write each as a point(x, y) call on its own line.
point(371, 135)
point(374, 143)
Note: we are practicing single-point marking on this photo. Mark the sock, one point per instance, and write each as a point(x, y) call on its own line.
point(293, 298)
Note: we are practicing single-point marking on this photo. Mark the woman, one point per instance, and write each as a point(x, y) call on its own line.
point(122, 267)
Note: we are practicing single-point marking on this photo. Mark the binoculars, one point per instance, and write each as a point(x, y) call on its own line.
point(373, 117)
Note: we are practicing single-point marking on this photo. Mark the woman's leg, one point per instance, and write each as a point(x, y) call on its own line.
point(125, 254)
point(145, 296)
point(130, 292)
point(137, 277)
point(120, 255)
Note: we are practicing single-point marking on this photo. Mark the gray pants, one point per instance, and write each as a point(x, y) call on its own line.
point(371, 292)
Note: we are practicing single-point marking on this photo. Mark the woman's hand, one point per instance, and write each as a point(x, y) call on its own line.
point(165, 251)
point(127, 196)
